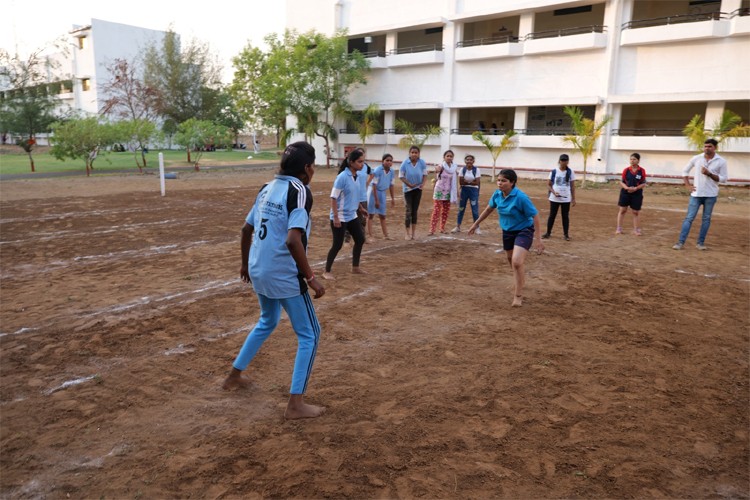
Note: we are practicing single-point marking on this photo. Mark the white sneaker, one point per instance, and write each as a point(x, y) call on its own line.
point(677, 246)
point(456, 229)
point(478, 231)
point(700, 246)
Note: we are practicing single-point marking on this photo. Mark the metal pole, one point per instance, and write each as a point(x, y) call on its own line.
point(161, 173)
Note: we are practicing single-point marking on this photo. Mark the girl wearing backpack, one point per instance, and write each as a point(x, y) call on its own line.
point(562, 195)
point(470, 179)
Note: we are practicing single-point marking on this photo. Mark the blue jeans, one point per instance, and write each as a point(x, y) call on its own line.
point(708, 203)
point(472, 196)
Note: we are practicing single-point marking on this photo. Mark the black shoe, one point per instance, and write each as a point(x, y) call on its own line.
point(566, 237)
point(545, 236)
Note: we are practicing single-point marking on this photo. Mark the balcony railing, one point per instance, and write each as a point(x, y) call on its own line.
point(416, 48)
point(355, 131)
point(545, 131)
point(492, 40)
point(469, 131)
point(648, 132)
point(677, 19)
point(566, 32)
point(744, 11)
point(374, 53)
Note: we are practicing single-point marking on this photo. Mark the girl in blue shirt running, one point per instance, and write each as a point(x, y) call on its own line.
point(274, 259)
point(519, 220)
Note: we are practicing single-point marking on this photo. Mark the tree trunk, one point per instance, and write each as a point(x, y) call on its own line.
point(143, 155)
point(88, 167)
point(583, 182)
point(31, 160)
point(188, 152)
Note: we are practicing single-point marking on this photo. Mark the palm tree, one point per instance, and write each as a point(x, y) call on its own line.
point(369, 125)
point(728, 126)
point(414, 137)
point(506, 143)
point(585, 134)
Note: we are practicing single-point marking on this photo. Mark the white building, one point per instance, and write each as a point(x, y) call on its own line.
point(463, 64)
point(94, 47)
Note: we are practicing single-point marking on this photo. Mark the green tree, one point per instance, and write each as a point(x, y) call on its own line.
point(81, 139)
point(196, 135)
point(169, 129)
point(306, 75)
point(180, 76)
point(137, 134)
point(506, 142)
point(224, 111)
point(28, 106)
point(728, 126)
point(261, 87)
point(413, 136)
point(586, 132)
point(368, 124)
point(329, 71)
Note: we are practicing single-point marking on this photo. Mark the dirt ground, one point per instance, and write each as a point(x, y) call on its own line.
point(624, 375)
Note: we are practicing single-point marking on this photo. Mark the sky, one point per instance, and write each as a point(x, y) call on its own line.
point(26, 26)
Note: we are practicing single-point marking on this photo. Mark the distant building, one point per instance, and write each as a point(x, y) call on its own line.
point(94, 47)
point(651, 65)
point(76, 74)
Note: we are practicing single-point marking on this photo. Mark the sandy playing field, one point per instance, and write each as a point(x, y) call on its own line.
point(625, 373)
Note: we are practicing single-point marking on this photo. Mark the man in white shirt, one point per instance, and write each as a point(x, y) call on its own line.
point(711, 169)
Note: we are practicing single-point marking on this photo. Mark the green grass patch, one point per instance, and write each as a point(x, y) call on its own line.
point(18, 162)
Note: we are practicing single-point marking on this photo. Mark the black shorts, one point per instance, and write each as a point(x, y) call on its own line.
point(523, 238)
point(632, 200)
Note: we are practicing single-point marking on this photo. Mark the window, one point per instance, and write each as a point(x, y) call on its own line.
point(86, 83)
point(81, 42)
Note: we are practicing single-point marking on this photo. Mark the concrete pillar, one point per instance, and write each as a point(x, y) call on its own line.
point(526, 24)
point(714, 110)
point(520, 118)
point(729, 6)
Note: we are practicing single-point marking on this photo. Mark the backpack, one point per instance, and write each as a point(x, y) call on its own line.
point(567, 176)
point(473, 171)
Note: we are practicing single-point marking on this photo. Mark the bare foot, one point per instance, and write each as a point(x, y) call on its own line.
point(517, 301)
point(409, 237)
point(389, 238)
point(297, 409)
point(329, 276)
point(358, 270)
point(236, 380)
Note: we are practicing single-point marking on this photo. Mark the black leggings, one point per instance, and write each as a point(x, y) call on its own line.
point(553, 206)
point(354, 227)
point(411, 200)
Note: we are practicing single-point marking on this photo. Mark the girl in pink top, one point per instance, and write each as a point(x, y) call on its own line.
point(445, 192)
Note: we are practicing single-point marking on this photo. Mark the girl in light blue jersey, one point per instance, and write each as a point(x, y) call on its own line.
point(381, 182)
point(274, 238)
point(519, 220)
point(413, 175)
point(345, 207)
